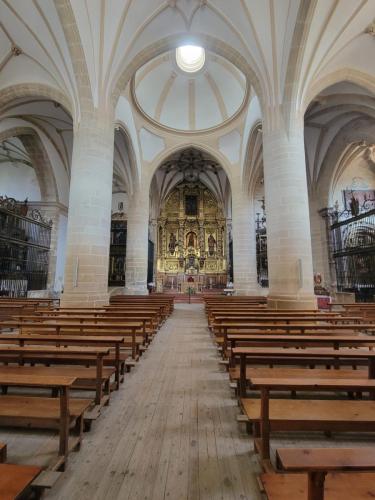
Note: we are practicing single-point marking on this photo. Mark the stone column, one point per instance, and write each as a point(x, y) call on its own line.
point(244, 248)
point(89, 219)
point(137, 244)
point(288, 224)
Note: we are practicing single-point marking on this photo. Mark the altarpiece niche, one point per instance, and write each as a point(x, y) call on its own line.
point(192, 240)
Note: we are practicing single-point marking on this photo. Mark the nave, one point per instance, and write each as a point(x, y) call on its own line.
point(171, 430)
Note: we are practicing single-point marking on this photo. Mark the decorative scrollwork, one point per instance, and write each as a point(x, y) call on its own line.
point(22, 208)
point(38, 217)
point(8, 203)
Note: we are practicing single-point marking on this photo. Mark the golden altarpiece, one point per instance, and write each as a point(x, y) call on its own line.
point(192, 249)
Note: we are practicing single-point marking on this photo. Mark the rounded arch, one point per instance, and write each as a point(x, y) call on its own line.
point(203, 147)
point(221, 186)
point(337, 154)
point(349, 75)
point(253, 163)
point(13, 92)
point(39, 158)
point(171, 42)
point(132, 173)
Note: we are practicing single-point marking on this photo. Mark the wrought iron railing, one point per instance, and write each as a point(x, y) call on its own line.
point(353, 250)
point(24, 249)
point(261, 248)
point(117, 253)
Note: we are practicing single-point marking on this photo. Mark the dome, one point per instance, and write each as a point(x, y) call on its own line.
point(192, 100)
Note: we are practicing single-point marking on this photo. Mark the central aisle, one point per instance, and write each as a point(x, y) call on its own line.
point(171, 431)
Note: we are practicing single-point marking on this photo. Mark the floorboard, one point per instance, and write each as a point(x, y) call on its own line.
point(171, 431)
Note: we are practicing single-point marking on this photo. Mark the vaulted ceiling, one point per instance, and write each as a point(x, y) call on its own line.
point(60, 58)
point(89, 49)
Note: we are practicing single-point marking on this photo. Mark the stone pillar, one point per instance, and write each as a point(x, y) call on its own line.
point(89, 219)
point(137, 244)
point(244, 248)
point(288, 224)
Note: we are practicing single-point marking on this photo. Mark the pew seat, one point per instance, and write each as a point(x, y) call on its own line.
point(314, 414)
point(39, 412)
point(287, 372)
point(339, 486)
point(15, 480)
point(85, 376)
point(317, 462)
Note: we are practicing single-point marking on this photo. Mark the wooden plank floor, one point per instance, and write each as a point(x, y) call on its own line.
point(171, 431)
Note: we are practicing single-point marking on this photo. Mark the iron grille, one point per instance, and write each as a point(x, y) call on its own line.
point(117, 253)
point(24, 252)
point(353, 244)
point(261, 248)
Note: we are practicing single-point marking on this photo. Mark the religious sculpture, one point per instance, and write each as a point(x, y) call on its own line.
point(191, 240)
point(172, 243)
point(211, 245)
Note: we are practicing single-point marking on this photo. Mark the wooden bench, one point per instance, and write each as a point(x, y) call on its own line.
point(149, 320)
point(325, 415)
point(317, 462)
point(15, 480)
point(293, 372)
point(132, 329)
point(59, 355)
point(271, 340)
point(311, 355)
point(61, 413)
point(77, 340)
point(339, 486)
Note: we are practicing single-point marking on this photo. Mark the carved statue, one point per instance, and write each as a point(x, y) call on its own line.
point(354, 206)
point(172, 243)
point(211, 245)
point(191, 240)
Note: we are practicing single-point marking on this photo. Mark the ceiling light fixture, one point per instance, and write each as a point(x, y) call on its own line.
point(190, 58)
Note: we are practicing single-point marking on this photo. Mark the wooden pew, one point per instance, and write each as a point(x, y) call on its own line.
point(34, 411)
point(283, 414)
point(312, 355)
point(15, 480)
point(58, 355)
point(317, 462)
point(148, 320)
point(232, 328)
point(73, 340)
point(278, 340)
point(340, 486)
point(132, 329)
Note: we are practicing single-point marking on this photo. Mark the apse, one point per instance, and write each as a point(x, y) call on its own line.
point(192, 231)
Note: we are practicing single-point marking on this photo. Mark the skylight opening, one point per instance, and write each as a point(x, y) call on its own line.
point(190, 58)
